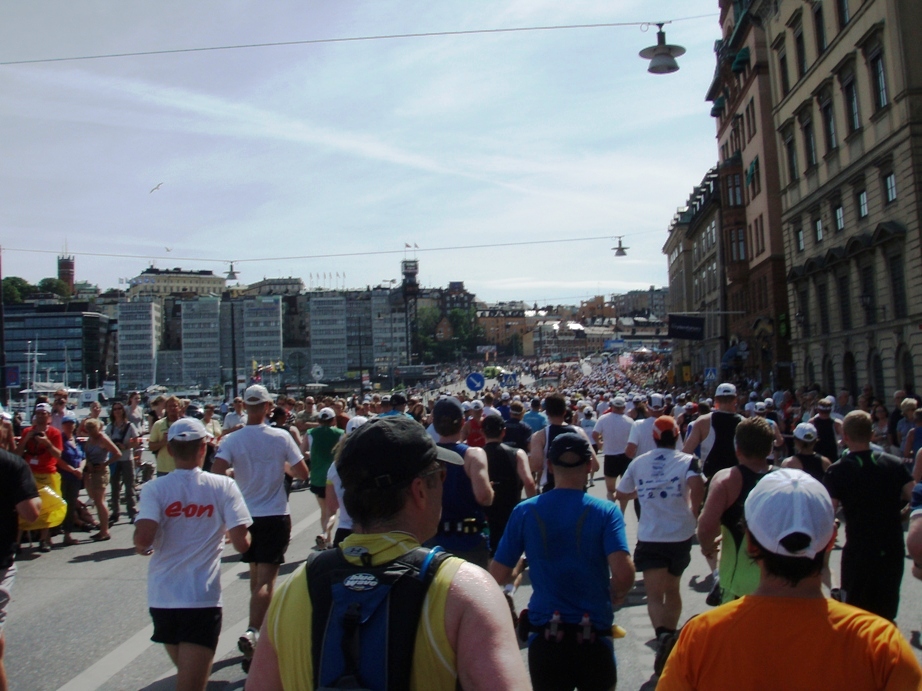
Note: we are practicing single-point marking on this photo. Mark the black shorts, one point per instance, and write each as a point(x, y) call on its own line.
point(672, 556)
point(269, 537)
point(201, 626)
point(569, 664)
point(319, 491)
point(616, 465)
point(872, 579)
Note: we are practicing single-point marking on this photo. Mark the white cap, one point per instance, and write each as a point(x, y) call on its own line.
point(477, 405)
point(355, 422)
point(505, 395)
point(618, 402)
point(656, 401)
point(256, 394)
point(187, 429)
point(587, 410)
point(466, 405)
point(760, 407)
point(806, 432)
point(327, 414)
point(789, 501)
point(725, 389)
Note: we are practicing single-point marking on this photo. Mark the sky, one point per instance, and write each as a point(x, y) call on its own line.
point(279, 157)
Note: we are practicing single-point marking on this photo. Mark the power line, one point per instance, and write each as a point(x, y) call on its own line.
point(316, 256)
point(347, 39)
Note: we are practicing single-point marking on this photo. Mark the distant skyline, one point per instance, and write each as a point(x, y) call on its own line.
point(273, 153)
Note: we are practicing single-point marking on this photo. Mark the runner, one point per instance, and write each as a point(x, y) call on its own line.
point(612, 430)
point(556, 407)
point(714, 432)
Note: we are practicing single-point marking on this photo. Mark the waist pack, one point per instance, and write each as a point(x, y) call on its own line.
point(365, 617)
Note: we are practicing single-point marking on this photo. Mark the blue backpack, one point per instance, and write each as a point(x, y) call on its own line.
point(365, 617)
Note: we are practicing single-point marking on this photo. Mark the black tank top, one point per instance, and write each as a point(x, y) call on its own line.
point(723, 452)
point(813, 464)
point(507, 485)
point(826, 444)
point(731, 519)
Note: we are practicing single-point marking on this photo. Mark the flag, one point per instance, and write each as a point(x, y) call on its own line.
point(337, 274)
point(407, 245)
point(415, 246)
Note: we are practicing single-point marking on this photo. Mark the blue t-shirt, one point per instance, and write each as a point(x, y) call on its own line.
point(915, 504)
point(569, 570)
point(537, 421)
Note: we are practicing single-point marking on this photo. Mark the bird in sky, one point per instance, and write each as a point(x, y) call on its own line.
point(168, 249)
point(159, 185)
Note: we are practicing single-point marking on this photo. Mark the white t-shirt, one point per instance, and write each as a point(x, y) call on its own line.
point(193, 510)
point(615, 430)
point(345, 520)
point(642, 435)
point(602, 407)
point(232, 419)
point(258, 455)
point(660, 479)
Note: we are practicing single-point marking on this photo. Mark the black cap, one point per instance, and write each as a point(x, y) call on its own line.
point(398, 399)
point(493, 425)
point(448, 408)
point(571, 443)
point(389, 452)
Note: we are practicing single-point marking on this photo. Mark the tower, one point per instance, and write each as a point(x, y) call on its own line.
point(66, 270)
point(410, 286)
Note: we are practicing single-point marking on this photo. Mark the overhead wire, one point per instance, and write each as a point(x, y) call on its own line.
point(346, 39)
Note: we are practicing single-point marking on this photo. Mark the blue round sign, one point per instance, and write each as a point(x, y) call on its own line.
point(475, 381)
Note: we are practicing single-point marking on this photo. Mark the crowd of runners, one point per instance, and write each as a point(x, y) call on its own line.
point(496, 478)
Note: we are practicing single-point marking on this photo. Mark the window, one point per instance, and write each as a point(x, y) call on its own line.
point(878, 80)
point(845, 302)
point(822, 298)
point(734, 190)
point(799, 236)
point(809, 142)
point(818, 228)
point(868, 294)
point(783, 71)
point(852, 113)
point(844, 15)
point(751, 118)
point(819, 29)
point(897, 285)
point(889, 188)
point(790, 147)
point(801, 52)
point(838, 213)
point(804, 316)
point(862, 201)
point(829, 124)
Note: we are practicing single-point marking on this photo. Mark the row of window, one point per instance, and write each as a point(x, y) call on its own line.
point(837, 210)
point(840, 283)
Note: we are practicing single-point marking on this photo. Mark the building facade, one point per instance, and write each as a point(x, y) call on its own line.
point(758, 333)
point(163, 282)
point(847, 89)
point(201, 341)
point(139, 329)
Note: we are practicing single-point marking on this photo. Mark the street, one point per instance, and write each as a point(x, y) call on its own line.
point(79, 618)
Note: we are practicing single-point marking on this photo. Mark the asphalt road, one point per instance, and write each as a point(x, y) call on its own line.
point(79, 618)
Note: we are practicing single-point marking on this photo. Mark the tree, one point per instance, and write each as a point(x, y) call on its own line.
point(55, 286)
point(16, 289)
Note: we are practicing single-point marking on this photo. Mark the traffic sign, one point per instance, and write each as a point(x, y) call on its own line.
point(475, 381)
point(710, 374)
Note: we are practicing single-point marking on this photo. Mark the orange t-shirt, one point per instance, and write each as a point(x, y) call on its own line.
point(790, 643)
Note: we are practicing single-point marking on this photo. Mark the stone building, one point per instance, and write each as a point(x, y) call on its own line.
point(847, 93)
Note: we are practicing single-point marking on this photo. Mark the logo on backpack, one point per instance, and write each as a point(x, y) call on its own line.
point(361, 581)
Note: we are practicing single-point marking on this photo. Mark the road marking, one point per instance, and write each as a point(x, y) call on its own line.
point(108, 666)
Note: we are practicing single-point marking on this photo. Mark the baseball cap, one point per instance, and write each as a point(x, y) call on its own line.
point(769, 403)
point(389, 452)
point(824, 404)
point(493, 425)
point(398, 399)
point(256, 394)
point(466, 405)
point(477, 405)
point(6, 416)
point(690, 406)
point(42, 408)
point(805, 431)
point(759, 407)
point(618, 402)
point(725, 389)
point(789, 501)
point(449, 408)
point(569, 443)
point(385, 398)
point(355, 422)
point(505, 395)
point(327, 414)
point(753, 395)
point(587, 410)
point(657, 401)
point(663, 424)
point(187, 429)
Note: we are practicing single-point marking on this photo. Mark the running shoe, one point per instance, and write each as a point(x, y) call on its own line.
point(665, 643)
point(246, 644)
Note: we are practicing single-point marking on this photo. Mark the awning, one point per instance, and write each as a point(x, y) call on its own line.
point(741, 61)
point(719, 103)
point(751, 171)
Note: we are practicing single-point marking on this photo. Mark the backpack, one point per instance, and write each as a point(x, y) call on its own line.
point(365, 617)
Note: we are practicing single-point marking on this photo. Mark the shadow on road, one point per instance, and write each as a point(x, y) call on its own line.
point(284, 569)
point(701, 585)
point(104, 555)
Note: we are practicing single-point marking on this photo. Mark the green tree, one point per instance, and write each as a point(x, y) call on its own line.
point(16, 289)
point(55, 286)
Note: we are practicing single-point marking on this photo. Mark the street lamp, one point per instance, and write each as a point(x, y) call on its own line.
point(662, 56)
